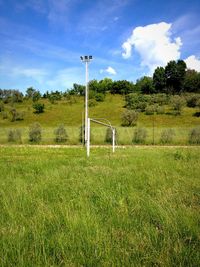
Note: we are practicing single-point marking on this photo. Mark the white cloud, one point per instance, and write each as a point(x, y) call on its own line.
point(154, 45)
point(109, 70)
point(193, 63)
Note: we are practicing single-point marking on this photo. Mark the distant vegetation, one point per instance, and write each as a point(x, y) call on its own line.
point(169, 99)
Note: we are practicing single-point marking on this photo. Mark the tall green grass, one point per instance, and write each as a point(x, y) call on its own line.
point(137, 207)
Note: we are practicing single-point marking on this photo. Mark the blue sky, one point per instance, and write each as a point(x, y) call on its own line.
point(42, 40)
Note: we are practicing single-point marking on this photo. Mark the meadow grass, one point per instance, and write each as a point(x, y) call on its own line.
point(137, 207)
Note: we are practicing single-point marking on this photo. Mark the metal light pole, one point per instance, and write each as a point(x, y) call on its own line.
point(86, 60)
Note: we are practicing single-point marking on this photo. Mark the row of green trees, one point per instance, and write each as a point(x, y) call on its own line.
point(174, 78)
point(139, 135)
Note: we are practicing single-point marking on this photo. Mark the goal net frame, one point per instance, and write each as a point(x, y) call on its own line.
point(99, 121)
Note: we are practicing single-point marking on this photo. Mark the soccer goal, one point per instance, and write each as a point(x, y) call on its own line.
point(103, 122)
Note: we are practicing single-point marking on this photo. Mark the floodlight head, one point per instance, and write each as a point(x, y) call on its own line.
point(86, 58)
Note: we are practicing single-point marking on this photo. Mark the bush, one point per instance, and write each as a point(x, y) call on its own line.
point(61, 134)
point(129, 118)
point(92, 103)
point(15, 115)
point(99, 97)
point(137, 101)
point(35, 132)
point(4, 115)
point(192, 100)
point(82, 134)
point(167, 136)
point(160, 110)
point(194, 136)
point(150, 109)
point(109, 135)
point(160, 99)
point(39, 108)
point(14, 135)
point(178, 103)
point(1, 107)
point(140, 135)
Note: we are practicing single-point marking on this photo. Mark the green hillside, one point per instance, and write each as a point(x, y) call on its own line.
point(70, 112)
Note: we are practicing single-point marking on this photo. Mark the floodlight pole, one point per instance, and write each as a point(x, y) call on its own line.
point(88, 137)
point(113, 140)
point(86, 60)
point(86, 101)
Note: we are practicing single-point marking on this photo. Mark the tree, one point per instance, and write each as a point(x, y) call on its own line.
point(109, 135)
point(122, 87)
point(105, 85)
point(175, 76)
point(129, 118)
point(14, 135)
point(61, 134)
point(94, 86)
point(159, 80)
point(29, 92)
point(17, 96)
point(36, 96)
point(39, 108)
point(140, 135)
point(136, 101)
point(178, 103)
point(192, 81)
point(35, 132)
point(145, 85)
point(194, 136)
point(16, 115)
point(167, 136)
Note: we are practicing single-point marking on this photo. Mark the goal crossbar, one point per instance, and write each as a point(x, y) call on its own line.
point(108, 124)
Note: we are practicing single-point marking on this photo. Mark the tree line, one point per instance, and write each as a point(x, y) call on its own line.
point(174, 78)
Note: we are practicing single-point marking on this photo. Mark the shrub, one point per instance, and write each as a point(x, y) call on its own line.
point(4, 115)
point(137, 101)
point(14, 135)
point(194, 136)
point(178, 103)
point(140, 135)
point(39, 108)
point(167, 136)
point(109, 135)
point(15, 115)
point(129, 118)
point(82, 134)
point(192, 100)
point(160, 110)
point(99, 97)
point(160, 99)
point(35, 132)
point(150, 109)
point(1, 107)
point(61, 134)
point(92, 103)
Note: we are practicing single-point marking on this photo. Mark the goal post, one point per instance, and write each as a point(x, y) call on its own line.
point(102, 123)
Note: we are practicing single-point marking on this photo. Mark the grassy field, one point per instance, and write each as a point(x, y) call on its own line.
point(137, 207)
point(70, 113)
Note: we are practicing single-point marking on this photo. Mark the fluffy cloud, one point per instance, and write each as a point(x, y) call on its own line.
point(193, 63)
point(109, 70)
point(154, 45)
